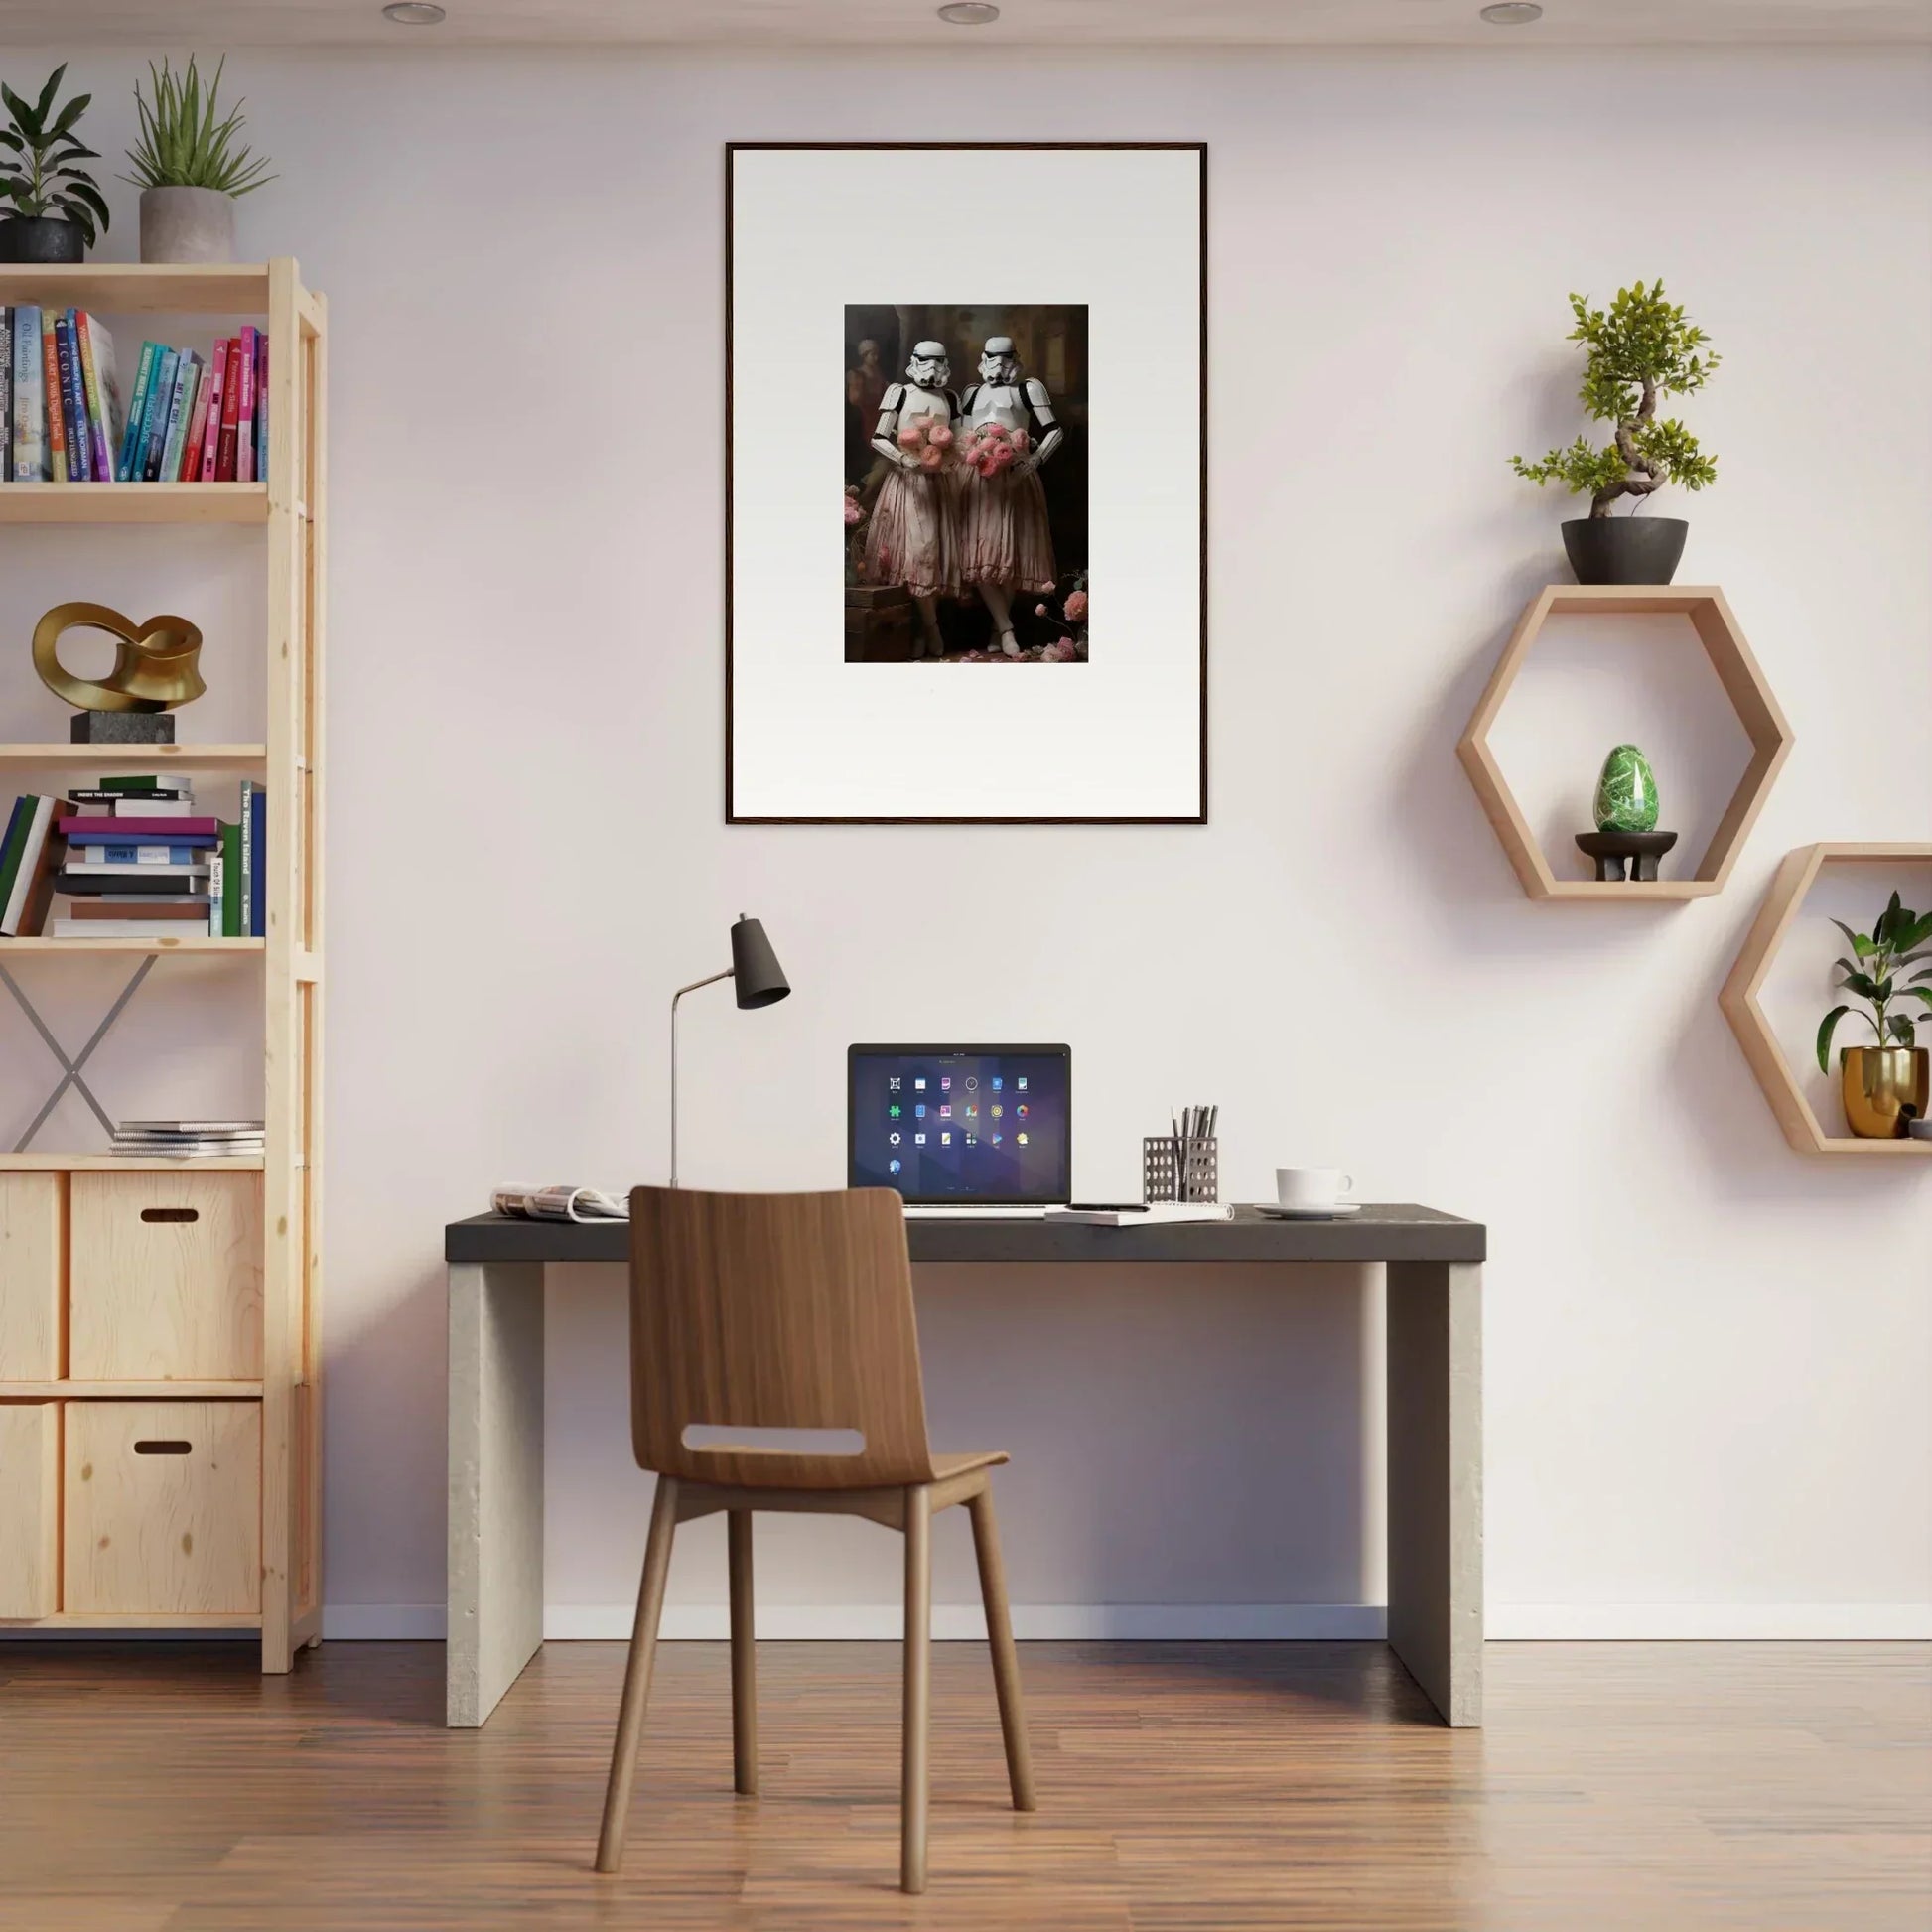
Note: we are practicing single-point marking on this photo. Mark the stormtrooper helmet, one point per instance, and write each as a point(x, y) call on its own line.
point(998, 362)
point(929, 367)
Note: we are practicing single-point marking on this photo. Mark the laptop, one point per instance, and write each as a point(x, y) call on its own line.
point(962, 1130)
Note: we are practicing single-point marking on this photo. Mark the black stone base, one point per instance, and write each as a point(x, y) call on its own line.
point(1611, 850)
point(122, 727)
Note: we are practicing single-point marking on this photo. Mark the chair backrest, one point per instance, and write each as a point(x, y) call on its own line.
point(767, 1311)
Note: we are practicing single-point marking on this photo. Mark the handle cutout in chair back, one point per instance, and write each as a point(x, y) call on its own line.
point(773, 1442)
point(170, 1213)
point(163, 1446)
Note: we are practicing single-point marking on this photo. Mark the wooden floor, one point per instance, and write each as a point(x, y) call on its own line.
point(1212, 1786)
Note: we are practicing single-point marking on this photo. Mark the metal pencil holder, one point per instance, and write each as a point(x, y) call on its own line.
point(1173, 1171)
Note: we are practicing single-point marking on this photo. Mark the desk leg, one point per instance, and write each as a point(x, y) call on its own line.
point(1434, 1329)
point(495, 1482)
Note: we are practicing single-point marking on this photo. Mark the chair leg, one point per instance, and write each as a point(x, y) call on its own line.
point(918, 1720)
point(745, 1670)
point(636, 1676)
point(1006, 1660)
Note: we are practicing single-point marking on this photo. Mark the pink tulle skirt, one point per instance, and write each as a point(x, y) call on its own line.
point(1003, 535)
point(911, 538)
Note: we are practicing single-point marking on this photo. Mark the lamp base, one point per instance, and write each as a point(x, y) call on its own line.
point(121, 727)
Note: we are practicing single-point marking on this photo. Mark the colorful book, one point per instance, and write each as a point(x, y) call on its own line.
point(131, 852)
point(181, 831)
point(74, 413)
point(33, 880)
point(116, 906)
point(227, 867)
point(258, 870)
point(189, 465)
point(154, 427)
point(161, 882)
point(17, 820)
point(6, 394)
point(57, 415)
point(179, 411)
point(30, 412)
point(261, 406)
point(231, 415)
point(244, 461)
point(102, 379)
point(145, 782)
point(137, 409)
point(217, 370)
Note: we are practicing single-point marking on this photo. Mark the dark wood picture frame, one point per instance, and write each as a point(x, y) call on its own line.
point(732, 150)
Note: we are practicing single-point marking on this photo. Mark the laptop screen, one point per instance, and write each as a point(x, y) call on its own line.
point(973, 1125)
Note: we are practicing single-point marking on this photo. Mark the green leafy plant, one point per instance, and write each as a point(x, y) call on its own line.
point(1639, 349)
point(182, 144)
point(37, 152)
point(1899, 940)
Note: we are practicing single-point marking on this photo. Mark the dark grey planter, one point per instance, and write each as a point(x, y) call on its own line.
point(1624, 549)
point(41, 238)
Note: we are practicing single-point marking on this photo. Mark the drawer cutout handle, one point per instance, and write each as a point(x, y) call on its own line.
point(170, 1213)
point(163, 1446)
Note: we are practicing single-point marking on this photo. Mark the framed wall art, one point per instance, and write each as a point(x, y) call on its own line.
point(992, 359)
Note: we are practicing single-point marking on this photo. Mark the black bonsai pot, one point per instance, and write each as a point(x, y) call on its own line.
point(41, 238)
point(1624, 549)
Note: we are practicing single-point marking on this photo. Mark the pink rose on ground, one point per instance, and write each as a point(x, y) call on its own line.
point(1061, 651)
point(1019, 440)
point(1076, 607)
point(938, 435)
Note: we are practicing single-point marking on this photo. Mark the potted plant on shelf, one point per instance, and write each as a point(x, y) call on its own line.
point(189, 168)
point(1637, 351)
point(1884, 1087)
point(56, 204)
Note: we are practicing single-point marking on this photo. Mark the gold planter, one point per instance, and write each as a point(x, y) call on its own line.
point(1881, 1084)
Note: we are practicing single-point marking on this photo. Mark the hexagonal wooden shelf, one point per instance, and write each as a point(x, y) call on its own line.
point(1743, 683)
point(1738, 998)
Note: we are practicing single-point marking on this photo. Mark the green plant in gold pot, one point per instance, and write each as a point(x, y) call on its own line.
point(188, 167)
point(1884, 1087)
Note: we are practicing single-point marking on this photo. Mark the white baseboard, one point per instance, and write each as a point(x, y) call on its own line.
point(1199, 1622)
point(1709, 1623)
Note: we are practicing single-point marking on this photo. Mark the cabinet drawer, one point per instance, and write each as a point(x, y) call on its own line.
point(163, 1506)
point(166, 1277)
point(32, 1262)
point(30, 1510)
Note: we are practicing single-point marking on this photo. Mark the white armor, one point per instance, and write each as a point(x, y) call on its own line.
point(922, 393)
point(1004, 394)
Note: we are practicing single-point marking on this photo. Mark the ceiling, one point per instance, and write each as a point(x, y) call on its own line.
point(1061, 23)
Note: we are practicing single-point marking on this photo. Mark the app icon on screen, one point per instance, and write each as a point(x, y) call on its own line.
point(919, 1083)
point(997, 1084)
point(1020, 1085)
point(1021, 1109)
point(919, 1110)
point(894, 1137)
point(997, 1110)
point(1021, 1138)
point(972, 1080)
point(972, 1139)
point(996, 1140)
point(972, 1113)
point(945, 1113)
point(918, 1140)
point(945, 1139)
point(892, 1083)
point(892, 1166)
point(945, 1083)
point(892, 1110)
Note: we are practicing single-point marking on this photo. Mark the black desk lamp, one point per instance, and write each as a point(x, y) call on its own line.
point(760, 982)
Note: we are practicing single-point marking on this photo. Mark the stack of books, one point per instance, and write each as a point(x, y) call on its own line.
point(188, 418)
point(187, 1139)
point(136, 860)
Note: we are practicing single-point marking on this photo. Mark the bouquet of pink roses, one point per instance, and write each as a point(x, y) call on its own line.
point(992, 446)
point(929, 441)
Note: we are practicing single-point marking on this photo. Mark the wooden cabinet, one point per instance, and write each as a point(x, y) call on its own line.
point(165, 1278)
point(30, 1518)
point(163, 1508)
point(33, 1265)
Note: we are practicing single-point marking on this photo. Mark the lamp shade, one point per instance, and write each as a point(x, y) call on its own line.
point(756, 977)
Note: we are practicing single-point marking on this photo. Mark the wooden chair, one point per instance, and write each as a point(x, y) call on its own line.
point(772, 1312)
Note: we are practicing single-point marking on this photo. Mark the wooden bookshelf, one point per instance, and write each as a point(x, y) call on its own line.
point(117, 502)
point(280, 1192)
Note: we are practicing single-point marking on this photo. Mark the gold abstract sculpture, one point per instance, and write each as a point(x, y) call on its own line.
point(154, 662)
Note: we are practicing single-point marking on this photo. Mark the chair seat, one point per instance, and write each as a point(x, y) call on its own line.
point(944, 1468)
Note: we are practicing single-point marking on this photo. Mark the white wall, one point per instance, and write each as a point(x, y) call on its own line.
point(1707, 1359)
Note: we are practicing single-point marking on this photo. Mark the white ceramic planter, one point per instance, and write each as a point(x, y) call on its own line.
point(186, 225)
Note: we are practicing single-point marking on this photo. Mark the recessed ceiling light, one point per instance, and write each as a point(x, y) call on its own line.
point(1512, 13)
point(414, 13)
point(969, 13)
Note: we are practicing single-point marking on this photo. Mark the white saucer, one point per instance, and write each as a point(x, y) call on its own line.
point(1271, 1213)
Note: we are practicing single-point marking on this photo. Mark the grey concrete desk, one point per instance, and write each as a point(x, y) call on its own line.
point(1435, 1411)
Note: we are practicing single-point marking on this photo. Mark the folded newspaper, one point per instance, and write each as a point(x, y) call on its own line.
point(559, 1204)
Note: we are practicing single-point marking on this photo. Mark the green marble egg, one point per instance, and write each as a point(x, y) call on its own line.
point(1626, 793)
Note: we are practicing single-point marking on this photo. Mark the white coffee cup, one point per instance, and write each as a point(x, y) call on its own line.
point(1311, 1187)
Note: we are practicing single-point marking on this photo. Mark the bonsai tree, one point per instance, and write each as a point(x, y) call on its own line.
point(38, 150)
point(182, 144)
point(1638, 351)
point(1899, 940)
